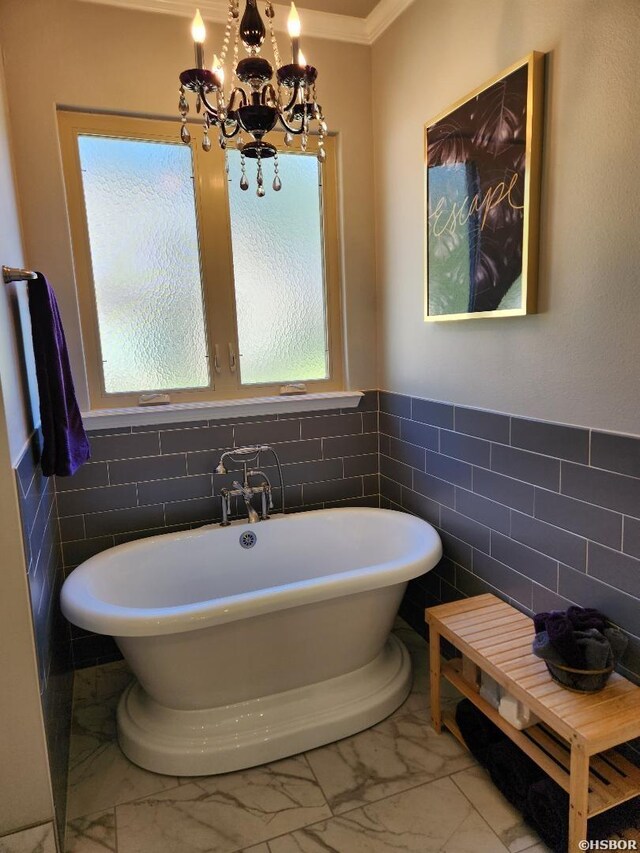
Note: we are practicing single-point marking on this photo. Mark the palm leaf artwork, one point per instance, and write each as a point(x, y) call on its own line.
point(476, 158)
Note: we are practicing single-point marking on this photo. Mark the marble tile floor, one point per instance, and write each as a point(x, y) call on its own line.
point(35, 839)
point(395, 787)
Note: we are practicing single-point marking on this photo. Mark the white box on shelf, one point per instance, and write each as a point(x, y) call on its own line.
point(516, 713)
point(490, 690)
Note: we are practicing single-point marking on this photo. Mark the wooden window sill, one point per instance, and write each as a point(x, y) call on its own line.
point(219, 409)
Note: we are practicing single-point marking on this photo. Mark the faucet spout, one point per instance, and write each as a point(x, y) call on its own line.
point(254, 518)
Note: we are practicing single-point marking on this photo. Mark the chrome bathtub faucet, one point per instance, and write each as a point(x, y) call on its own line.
point(245, 489)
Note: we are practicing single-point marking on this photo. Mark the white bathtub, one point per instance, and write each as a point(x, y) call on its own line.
point(246, 655)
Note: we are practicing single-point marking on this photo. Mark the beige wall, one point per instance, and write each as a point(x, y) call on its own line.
point(578, 360)
point(25, 793)
point(99, 57)
point(16, 353)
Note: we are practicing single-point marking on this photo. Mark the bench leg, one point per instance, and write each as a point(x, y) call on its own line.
point(578, 797)
point(434, 678)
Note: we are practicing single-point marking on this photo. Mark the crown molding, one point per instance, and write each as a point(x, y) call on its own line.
point(382, 16)
point(325, 25)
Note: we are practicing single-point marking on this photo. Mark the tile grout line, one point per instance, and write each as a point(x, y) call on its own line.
point(304, 755)
point(367, 803)
point(486, 822)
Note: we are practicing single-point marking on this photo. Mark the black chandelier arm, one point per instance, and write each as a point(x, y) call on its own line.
point(293, 99)
point(243, 99)
point(213, 112)
point(269, 92)
point(232, 133)
point(290, 128)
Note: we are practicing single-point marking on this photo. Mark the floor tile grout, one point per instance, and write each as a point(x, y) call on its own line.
point(388, 797)
point(468, 799)
point(418, 654)
point(317, 781)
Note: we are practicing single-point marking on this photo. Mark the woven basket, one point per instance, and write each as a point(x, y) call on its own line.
point(579, 680)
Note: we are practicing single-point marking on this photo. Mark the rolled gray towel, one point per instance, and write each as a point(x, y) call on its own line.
point(543, 648)
point(595, 648)
point(618, 641)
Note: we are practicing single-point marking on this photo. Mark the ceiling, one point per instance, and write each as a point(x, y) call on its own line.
point(355, 21)
point(356, 8)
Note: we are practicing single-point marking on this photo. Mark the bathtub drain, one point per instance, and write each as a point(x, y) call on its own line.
point(248, 539)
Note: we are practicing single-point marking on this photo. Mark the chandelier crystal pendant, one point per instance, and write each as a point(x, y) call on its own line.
point(253, 105)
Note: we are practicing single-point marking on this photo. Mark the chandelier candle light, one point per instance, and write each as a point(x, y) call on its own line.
point(256, 106)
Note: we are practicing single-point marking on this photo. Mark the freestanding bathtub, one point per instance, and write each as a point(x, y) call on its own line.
point(253, 642)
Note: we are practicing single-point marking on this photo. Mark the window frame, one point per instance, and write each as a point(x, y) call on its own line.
point(216, 261)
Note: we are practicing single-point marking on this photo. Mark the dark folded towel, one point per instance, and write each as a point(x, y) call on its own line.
point(478, 731)
point(512, 771)
point(542, 648)
point(583, 618)
point(547, 810)
point(595, 649)
point(617, 640)
point(66, 446)
point(560, 630)
point(540, 619)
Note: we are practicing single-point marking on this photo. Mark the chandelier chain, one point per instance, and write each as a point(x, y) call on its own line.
point(232, 15)
point(272, 35)
point(236, 49)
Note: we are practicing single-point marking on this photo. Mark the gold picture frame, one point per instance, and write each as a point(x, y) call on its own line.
point(482, 160)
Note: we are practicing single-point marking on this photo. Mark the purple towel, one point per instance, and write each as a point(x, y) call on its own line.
point(66, 446)
point(560, 631)
point(540, 619)
point(585, 618)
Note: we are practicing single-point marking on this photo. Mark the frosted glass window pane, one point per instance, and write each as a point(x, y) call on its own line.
point(141, 215)
point(279, 272)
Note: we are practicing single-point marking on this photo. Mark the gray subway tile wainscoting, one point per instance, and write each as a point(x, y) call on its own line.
point(541, 514)
point(41, 537)
point(157, 479)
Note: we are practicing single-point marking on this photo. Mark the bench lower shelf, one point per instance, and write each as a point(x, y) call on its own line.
point(612, 778)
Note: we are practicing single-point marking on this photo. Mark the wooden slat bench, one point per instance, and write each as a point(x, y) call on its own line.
point(575, 739)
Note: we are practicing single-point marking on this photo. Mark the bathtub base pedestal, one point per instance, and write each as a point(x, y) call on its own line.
point(219, 740)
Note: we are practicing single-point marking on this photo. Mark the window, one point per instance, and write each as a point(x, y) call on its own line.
point(178, 270)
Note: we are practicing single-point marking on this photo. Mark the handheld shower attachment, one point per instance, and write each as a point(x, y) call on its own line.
point(251, 450)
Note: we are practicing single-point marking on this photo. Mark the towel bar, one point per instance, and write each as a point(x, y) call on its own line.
point(15, 274)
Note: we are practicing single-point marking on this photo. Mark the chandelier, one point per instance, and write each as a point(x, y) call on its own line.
point(254, 106)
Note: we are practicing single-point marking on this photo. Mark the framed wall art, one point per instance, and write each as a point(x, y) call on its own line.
point(482, 199)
